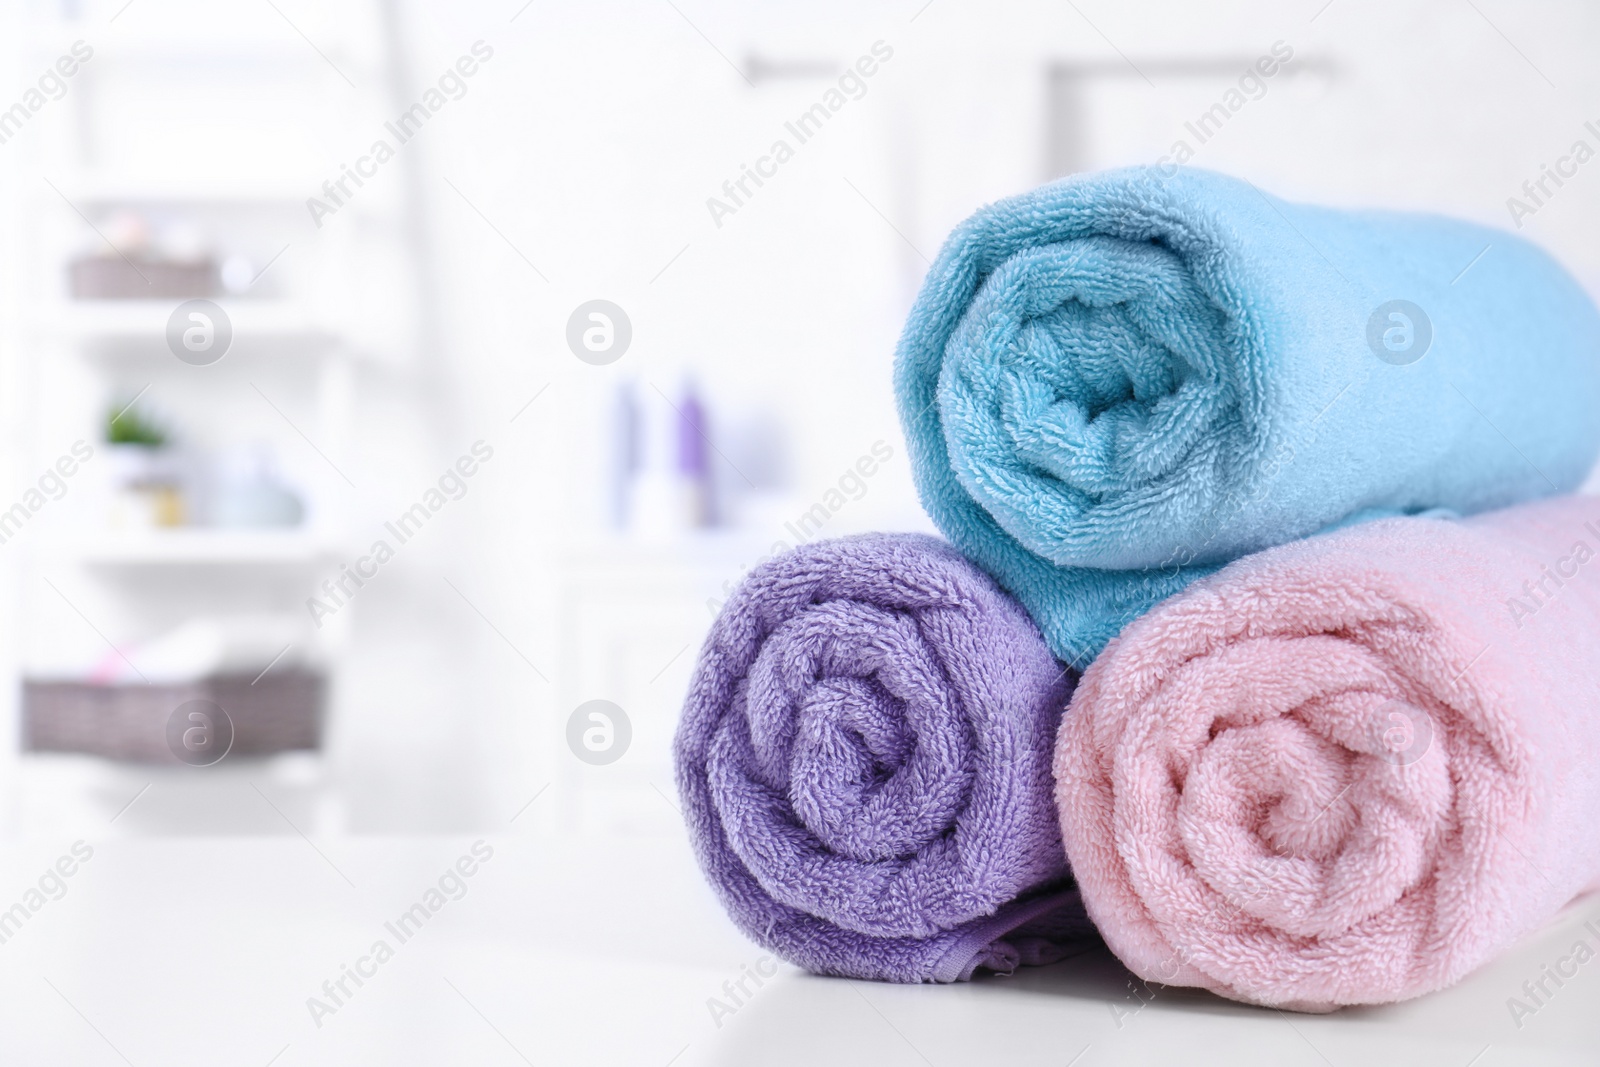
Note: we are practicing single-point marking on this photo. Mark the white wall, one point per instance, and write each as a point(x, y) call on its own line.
point(578, 165)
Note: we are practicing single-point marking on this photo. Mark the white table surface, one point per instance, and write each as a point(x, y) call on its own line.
point(204, 951)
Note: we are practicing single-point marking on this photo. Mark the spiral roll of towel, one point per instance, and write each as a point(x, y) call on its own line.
point(1116, 383)
point(864, 762)
point(1347, 770)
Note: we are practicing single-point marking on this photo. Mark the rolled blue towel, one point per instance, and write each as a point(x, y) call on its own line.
point(1114, 384)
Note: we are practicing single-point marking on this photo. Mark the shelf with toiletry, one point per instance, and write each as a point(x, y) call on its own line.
point(124, 282)
point(166, 492)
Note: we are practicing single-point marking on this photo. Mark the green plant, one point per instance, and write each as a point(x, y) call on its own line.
point(125, 426)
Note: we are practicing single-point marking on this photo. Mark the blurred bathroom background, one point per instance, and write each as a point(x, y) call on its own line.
point(504, 408)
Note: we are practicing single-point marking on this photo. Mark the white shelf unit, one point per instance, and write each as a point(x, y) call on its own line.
point(289, 377)
point(135, 325)
point(94, 188)
point(199, 547)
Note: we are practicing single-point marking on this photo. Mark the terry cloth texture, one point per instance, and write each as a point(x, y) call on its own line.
point(1116, 383)
point(864, 762)
point(1347, 770)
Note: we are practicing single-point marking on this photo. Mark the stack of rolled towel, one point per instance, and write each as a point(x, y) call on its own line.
point(1290, 486)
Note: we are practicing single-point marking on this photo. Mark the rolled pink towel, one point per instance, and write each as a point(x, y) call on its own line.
point(1348, 770)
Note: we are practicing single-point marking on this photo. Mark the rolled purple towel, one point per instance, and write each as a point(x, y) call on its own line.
point(864, 761)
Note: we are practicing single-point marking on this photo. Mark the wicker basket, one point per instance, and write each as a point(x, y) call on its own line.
point(281, 711)
point(109, 278)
